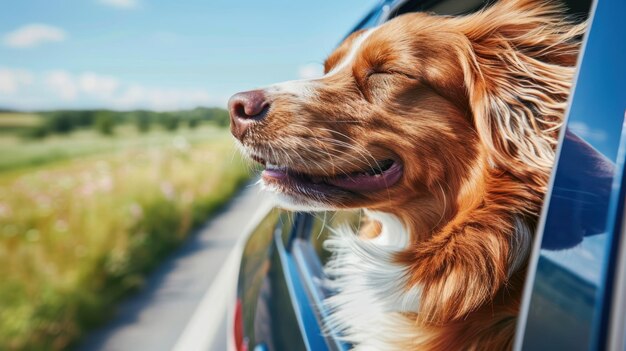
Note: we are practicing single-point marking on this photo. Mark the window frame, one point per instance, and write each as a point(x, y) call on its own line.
point(608, 327)
point(616, 334)
point(297, 250)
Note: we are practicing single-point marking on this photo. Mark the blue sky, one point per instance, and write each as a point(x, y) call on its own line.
point(161, 54)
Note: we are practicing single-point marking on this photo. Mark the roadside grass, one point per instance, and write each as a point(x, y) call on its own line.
point(77, 235)
point(17, 153)
point(11, 122)
point(19, 119)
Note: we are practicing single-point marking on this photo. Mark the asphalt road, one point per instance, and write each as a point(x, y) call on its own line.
point(179, 296)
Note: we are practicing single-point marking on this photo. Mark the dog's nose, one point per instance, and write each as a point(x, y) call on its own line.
point(246, 108)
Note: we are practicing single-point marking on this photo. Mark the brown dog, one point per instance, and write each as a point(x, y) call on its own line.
point(443, 129)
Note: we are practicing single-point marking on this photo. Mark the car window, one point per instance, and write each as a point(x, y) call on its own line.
point(578, 9)
point(566, 301)
point(445, 7)
point(616, 338)
point(309, 255)
point(325, 223)
point(372, 19)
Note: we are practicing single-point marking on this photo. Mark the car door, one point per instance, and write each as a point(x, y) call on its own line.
point(569, 296)
point(281, 284)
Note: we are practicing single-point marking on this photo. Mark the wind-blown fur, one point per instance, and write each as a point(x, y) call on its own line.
point(517, 62)
point(471, 108)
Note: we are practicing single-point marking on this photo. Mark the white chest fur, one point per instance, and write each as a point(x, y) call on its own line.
point(371, 289)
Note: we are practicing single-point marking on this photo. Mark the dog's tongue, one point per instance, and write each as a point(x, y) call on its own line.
point(366, 182)
point(275, 173)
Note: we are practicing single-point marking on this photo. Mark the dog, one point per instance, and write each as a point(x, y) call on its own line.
point(443, 129)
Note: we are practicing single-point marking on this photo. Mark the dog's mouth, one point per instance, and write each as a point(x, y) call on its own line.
point(377, 177)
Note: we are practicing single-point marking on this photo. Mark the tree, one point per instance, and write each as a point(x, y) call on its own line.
point(59, 122)
point(104, 123)
point(37, 132)
point(169, 121)
point(193, 122)
point(142, 121)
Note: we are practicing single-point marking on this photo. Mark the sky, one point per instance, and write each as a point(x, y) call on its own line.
point(158, 54)
point(597, 114)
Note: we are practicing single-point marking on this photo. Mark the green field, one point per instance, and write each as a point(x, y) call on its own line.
point(83, 217)
point(16, 119)
point(11, 123)
point(17, 153)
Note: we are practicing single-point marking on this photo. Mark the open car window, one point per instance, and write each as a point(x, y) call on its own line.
point(566, 298)
point(567, 301)
point(577, 9)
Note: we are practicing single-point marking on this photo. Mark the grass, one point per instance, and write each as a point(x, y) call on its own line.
point(11, 122)
point(19, 119)
point(79, 233)
point(18, 153)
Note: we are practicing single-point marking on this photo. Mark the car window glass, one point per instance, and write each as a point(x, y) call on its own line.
point(576, 8)
point(445, 7)
point(371, 20)
point(254, 257)
point(326, 223)
point(566, 303)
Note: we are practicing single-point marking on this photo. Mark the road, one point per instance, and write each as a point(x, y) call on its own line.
point(184, 300)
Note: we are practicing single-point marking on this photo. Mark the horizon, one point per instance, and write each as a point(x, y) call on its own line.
point(4, 109)
point(125, 55)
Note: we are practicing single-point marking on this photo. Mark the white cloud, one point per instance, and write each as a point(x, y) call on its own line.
point(63, 89)
point(123, 4)
point(11, 80)
point(98, 85)
point(31, 35)
point(62, 84)
point(584, 131)
point(310, 71)
point(162, 99)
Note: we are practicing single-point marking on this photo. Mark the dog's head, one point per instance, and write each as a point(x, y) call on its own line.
point(448, 123)
point(411, 110)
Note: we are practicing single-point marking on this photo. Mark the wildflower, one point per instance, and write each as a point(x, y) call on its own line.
point(180, 143)
point(105, 184)
point(60, 226)
point(136, 211)
point(168, 190)
point(5, 210)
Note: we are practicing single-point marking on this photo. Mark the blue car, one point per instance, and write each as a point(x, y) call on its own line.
point(575, 293)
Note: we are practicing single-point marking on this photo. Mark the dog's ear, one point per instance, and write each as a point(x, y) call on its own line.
point(516, 60)
point(517, 70)
point(463, 266)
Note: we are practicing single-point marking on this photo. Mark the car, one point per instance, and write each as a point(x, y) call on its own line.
point(575, 292)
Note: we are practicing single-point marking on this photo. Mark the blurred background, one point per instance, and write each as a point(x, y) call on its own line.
point(114, 142)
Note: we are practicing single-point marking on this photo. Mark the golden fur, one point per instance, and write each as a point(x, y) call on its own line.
point(471, 106)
